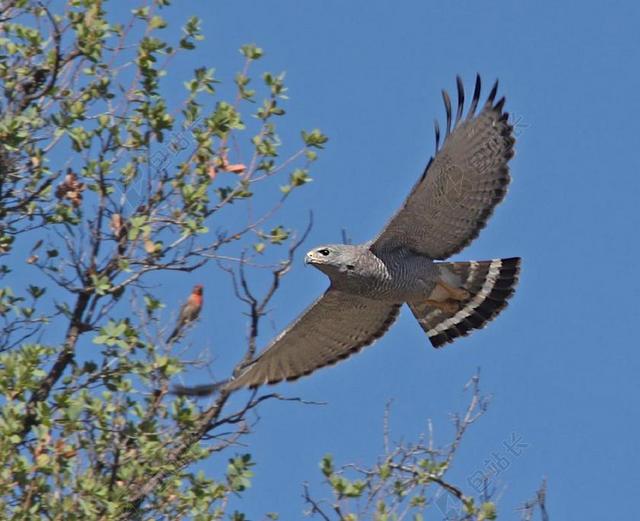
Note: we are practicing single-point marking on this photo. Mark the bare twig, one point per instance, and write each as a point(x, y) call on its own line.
point(315, 506)
point(528, 509)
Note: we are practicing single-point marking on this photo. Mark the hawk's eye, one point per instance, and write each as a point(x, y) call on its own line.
point(324, 252)
point(351, 267)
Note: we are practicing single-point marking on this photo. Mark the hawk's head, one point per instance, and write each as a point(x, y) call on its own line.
point(336, 259)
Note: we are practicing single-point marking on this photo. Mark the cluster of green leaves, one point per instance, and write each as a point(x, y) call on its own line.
point(104, 179)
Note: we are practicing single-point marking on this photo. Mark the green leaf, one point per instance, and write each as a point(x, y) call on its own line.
point(101, 284)
point(488, 511)
point(251, 51)
point(315, 138)
point(157, 22)
point(35, 291)
point(326, 465)
point(299, 177)
point(384, 471)
point(278, 235)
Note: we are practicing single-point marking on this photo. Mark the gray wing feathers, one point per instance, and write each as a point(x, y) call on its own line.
point(461, 186)
point(334, 327)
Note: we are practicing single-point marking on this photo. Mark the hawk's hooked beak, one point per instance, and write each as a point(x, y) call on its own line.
point(312, 257)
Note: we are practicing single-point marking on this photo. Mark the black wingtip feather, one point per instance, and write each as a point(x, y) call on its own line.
point(436, 127)
point(447, 106)
point(500, 105)
point(460, 86)
point(476, 97)
point(492, 94)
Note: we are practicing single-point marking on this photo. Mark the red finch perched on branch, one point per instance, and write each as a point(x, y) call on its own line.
point(189, 311)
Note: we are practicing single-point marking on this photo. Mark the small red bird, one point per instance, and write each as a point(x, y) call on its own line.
point(189, 311)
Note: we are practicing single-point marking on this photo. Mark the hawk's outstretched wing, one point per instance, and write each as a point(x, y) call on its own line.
point(461, 186)
point(334, 327)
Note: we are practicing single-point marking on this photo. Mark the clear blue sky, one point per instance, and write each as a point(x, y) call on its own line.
point(563, 360)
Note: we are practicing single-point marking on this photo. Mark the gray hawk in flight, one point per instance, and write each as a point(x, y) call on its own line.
point(445, 211)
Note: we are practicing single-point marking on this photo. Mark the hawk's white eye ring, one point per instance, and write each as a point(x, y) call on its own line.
point(324, 252)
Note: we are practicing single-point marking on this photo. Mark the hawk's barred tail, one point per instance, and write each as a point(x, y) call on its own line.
point(489, 283)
